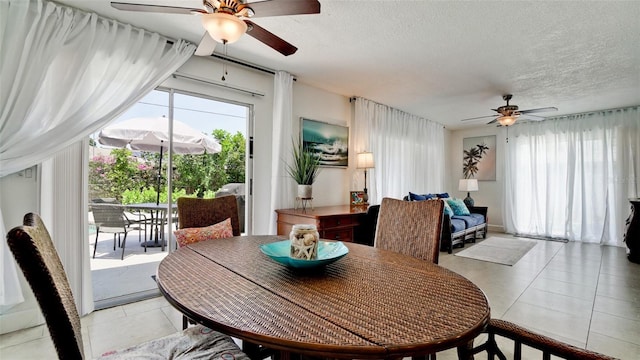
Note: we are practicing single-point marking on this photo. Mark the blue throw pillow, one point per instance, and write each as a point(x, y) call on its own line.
point(447, 208)
point(416, 197)
point(458, 207)
point(442, 196)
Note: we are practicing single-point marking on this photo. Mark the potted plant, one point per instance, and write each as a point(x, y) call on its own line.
point(303, 170)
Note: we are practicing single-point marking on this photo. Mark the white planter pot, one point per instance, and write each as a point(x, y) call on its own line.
point(305, 191)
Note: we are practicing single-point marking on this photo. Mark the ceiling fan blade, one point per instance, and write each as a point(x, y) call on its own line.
point(531, 117)
point(478, 118)
point(493, 121)
point(206, 46)
point(155, 8)
point(285, 7)
point(538, 110)
point(270, 39)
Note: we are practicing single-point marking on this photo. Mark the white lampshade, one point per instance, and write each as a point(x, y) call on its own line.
point(364, 160)
point(224, 28)
point(507, 120)
point(468, 185)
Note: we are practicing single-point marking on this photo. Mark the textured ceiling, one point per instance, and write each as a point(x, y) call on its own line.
point(445, 60)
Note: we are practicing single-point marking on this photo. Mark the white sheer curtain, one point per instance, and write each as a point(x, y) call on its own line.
point(282, 187)
point(408, 150)
point(570, 177)
point(66, 73)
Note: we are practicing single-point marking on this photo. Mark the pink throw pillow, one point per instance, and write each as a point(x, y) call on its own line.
point(188, 236)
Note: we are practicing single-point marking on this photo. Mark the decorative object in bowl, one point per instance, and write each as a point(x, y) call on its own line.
point(328, 252)
point(304, 242)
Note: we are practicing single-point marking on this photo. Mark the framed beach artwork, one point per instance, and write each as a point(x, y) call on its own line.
point(479, 158)
point(329, 142)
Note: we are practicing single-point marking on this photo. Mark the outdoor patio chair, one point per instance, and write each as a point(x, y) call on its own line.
point(410, 227)
point(140, 220)
point(109, 217)
point(137, 219)
point(36, 255)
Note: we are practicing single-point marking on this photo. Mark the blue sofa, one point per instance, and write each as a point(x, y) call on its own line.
point(458, 229)
point(463, 229)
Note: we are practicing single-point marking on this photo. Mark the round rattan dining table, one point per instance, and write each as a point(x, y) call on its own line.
point(369, 304)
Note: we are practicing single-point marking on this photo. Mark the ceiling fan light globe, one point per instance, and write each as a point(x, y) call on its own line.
point(224, 28)
point(506, 120)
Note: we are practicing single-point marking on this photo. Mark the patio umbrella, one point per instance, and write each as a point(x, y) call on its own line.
point(152, 134)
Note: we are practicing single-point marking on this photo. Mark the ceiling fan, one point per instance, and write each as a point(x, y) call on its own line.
point(227, 20)
point(508, 114)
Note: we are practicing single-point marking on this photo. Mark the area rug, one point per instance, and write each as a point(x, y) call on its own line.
point(498, 250)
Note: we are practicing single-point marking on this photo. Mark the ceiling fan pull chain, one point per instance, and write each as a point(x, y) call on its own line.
point(224, 63)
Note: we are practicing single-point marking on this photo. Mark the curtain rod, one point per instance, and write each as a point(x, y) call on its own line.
point(247, 64)
point(593, 112)
point(217, 83)
point(353, 98)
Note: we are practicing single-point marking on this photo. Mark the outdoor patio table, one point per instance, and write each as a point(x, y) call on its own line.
point(370, 304)
point(157, 212)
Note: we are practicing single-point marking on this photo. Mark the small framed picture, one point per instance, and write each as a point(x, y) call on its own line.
point(357, 198)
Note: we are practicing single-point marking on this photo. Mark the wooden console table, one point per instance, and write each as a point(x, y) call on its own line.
point(333, 222)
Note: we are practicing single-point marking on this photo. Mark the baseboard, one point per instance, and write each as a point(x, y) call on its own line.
point(495, 228)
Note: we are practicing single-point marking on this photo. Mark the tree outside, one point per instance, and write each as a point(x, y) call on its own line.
point(133, 179)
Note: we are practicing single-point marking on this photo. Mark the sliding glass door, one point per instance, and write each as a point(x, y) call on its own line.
point(135, 178)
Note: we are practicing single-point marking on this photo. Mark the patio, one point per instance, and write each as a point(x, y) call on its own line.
point(115, 281)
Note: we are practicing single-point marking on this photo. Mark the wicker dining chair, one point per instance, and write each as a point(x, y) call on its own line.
point(410, 227)
point(36, 255)
point(195, 212)
point(520, 336)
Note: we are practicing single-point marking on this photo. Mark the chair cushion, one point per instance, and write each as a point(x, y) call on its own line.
point(196, 342)
point(457, 225)
point(470, 220)
point(220, 230)
point(458, 207)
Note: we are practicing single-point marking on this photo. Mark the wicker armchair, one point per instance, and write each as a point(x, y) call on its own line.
point(521, 336)
point(36, 255)
point(194, 212)
point(410, 227)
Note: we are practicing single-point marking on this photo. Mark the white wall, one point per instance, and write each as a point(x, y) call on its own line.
point(332, 186)
point(490, 193)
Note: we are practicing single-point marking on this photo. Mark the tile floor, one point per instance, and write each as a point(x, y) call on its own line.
point(586, 295)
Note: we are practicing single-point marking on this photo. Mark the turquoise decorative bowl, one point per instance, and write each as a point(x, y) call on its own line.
point(328, 252)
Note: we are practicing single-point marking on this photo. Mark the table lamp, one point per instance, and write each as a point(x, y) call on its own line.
point(468, 185)
point(364, 161)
